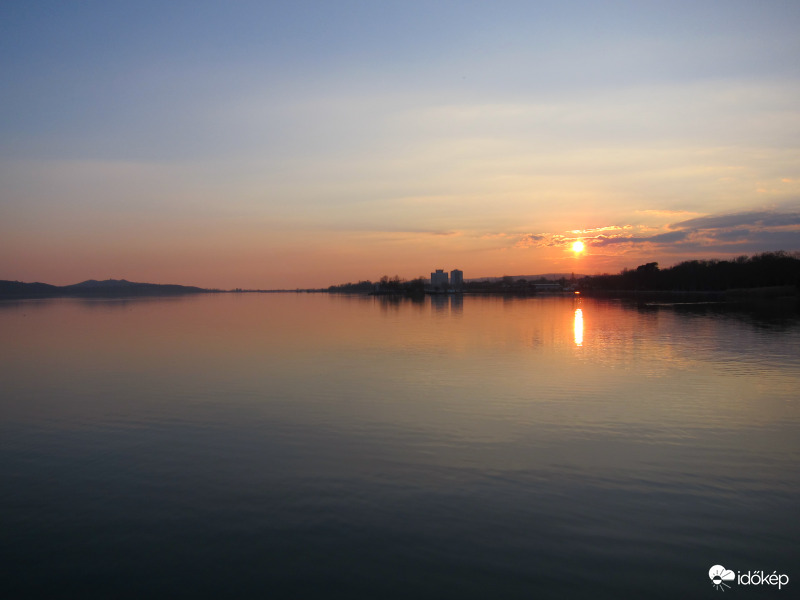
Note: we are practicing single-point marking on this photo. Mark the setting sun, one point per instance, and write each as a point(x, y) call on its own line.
point(578, 247)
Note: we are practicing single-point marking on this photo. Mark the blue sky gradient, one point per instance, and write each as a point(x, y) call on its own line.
point(274, 144)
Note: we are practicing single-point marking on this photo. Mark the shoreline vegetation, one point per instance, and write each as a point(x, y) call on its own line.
point(767, 276)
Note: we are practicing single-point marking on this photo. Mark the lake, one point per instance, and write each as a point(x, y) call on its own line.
point(323, 446)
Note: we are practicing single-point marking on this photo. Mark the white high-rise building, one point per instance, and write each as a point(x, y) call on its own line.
point(439, 281)
point(457, 280)
point(442, 283)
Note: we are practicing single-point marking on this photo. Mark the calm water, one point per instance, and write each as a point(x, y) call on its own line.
point(316, 446)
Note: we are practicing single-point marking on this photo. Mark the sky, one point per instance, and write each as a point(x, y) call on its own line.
point(275, 145)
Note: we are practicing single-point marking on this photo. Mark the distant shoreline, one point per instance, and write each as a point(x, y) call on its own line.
point(15, 290)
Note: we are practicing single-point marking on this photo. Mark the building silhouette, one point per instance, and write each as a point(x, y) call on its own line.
point(457, 280)
point(441, 282)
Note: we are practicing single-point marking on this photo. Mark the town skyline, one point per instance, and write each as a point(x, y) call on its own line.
point(274, 145)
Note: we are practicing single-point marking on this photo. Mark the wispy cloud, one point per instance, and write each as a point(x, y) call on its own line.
point(541, 240)
point(599, 229)
point(661, 238)
point(750, 219)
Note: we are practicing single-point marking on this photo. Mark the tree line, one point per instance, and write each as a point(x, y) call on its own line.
point(386, 285)
point(767, 269)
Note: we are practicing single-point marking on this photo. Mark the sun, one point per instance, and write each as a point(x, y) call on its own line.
point(577, 247)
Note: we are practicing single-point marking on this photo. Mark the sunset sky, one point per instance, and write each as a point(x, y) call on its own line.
point(306, 143)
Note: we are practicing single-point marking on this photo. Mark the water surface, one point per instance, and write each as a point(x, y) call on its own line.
point(320, 446)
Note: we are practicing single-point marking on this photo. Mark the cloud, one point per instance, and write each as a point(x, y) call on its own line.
point(718, 235)
point(782, 219)
point(535, 240)
point(751, 231)
point(598, 229)
point(753, 218)
point(733, 233)
point(667, 238)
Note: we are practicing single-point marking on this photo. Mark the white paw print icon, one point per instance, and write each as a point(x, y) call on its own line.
point(719, 575)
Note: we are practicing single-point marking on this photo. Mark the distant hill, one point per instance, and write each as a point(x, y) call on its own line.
point(107, 283)
point(19, 289)
point(93, 288)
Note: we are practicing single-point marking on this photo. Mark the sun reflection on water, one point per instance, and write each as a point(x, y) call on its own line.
point(578, 327)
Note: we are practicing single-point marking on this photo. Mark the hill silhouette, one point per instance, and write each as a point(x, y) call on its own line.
point(109, 288)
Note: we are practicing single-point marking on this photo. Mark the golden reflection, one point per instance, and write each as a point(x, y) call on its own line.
point(578, 327)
